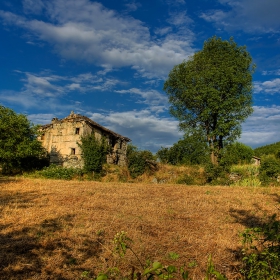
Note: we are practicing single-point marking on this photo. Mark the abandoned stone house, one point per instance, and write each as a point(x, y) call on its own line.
point(60, 139)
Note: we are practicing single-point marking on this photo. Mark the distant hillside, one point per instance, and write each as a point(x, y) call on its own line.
point(267, 150)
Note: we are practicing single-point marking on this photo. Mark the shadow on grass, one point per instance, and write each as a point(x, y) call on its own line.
point(276, 197)
point(6, 179)
point(248, 217)
point(44, 250)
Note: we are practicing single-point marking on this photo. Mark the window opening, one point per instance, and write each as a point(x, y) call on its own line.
point(77, 130)
point(73, 151)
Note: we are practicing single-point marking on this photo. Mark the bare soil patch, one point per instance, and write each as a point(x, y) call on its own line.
point(57, 229)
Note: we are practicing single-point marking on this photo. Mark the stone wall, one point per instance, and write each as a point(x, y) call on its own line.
point(61, 136)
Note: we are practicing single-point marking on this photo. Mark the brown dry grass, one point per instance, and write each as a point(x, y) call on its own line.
point(58, 229)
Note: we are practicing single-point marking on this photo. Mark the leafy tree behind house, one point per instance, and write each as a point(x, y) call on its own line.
point(213, 91)
point(19, 147)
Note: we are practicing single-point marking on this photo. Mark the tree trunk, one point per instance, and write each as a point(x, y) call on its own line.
point(214, 157)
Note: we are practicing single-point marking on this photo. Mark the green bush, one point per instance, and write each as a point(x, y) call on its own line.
point(59, 172)
point(19, 148)
point(190, 150)
point(138, 161)
point(270, 149)
point(236, 153)
point(261, 251)
point(270, 169)
point(94, 152)
point(217, 174)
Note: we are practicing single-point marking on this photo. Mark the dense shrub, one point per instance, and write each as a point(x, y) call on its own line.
point(139, 161)
point(270, 149)
point(217, 174)
point(190, 150)
point(94, 152)
point(236, 153)
point(59, 172)
point(270, 169)
point(19, 148)
point(261, 251)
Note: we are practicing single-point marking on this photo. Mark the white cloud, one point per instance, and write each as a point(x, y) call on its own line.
point(142, 127)
point(273, 72)
point(180, 19)
point(87, 31)
point(41, 118)
point(253, 16)
point(151, 97)
point(47, 88)
point(263, 127)
point(31, 6)
point(132, 6)
point(269, 87)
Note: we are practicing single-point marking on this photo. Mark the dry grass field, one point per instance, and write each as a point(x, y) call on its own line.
point(57, 229)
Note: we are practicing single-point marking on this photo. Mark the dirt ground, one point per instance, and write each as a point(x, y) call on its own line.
point(64, 229)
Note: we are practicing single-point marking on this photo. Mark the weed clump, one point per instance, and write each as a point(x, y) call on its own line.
point(58, 172)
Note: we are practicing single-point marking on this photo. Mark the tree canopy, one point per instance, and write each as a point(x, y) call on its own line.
point(19, 147)
point(212, 91)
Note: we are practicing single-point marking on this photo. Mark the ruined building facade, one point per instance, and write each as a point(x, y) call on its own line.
point(60, 139)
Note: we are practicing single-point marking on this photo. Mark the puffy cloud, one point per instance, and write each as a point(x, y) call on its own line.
point(85, 30)
point(142, 127)
point(31, 6)
point(262, 127)
point(270, 87)
point(151, 97)
point(253, 16)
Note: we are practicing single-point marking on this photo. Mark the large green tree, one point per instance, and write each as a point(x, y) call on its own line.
point(19, 147)
point(213, 91)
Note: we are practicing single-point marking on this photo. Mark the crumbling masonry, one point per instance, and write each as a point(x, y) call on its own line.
point(60, 139)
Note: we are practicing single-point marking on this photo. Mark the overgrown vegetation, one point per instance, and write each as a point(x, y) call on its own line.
point(139, 161)
point(191, 150)
point(271, 149)
point(270, 170)
point(94, 152)
point(261, 251)
point(58, 172)
point(19, 148)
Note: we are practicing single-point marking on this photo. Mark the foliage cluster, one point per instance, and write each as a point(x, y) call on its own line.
point(236, 153)
point(191, 150)
point(271, 149)
point(247, 174)
point(19, 148)
point(58, 172)
point(217, 174)
point(94, 152)
point(261, 251)
point(270, 169)
point(212, 91)
point(139, 161)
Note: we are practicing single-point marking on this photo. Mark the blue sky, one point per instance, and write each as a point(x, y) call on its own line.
point(108, 60)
